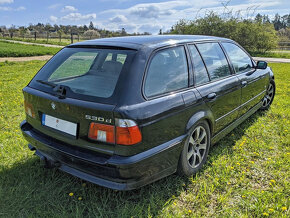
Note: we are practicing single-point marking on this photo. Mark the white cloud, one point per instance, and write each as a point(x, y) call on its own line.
point(6, 1)
point(119, 19)
point(78, 17)
point(54, 6)
point(53, 18)
point(68, 8)
point(21, 8)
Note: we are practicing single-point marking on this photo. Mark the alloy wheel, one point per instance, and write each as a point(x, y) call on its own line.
point(269, 95)
point(197, 146)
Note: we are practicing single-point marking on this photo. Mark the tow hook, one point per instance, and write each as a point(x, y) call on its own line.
point(45, 162)
point(48, 164)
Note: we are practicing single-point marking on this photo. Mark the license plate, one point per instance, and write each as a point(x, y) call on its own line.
point(59, 124)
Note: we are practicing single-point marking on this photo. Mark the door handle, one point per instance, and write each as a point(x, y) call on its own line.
point(211, 96)
point(244, 83)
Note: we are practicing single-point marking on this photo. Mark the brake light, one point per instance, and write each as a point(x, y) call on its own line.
point(102, 132)
point(127, 132)
point(29, 109)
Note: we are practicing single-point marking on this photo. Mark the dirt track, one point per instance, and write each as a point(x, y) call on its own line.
point(41, 58)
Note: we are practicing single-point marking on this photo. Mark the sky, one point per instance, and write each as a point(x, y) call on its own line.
point(133, 15)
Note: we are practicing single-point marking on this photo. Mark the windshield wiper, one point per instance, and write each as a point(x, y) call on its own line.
point(47, 83)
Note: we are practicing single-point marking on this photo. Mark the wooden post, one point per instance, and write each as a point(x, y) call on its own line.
point(35, 36)
point(71, 38)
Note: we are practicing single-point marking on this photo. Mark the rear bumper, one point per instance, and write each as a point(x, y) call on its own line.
point(116, 172)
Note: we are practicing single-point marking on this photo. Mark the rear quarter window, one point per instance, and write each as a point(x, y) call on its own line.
point(167, 72)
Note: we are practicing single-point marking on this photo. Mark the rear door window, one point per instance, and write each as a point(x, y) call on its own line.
point(215, 60)
point(240, 60)
point(167, 72)
point(200, 73)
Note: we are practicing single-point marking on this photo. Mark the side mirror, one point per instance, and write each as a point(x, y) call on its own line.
point(261, 65)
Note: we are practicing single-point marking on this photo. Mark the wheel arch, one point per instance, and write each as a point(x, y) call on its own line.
point(201, 116)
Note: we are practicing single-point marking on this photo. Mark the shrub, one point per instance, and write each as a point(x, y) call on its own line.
point(255, 36)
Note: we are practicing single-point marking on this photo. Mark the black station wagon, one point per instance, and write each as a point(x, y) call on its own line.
point(125, 112)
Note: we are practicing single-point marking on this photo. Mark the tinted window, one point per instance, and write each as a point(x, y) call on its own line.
point(85, 71)
point(214, 59)
point(200, 73)
point(167, 72)
point(240, 60)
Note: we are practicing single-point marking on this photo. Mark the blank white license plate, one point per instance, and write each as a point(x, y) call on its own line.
point(59, 124)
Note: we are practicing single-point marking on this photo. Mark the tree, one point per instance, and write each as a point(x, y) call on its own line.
point(92, 34)
point(123, 32)
point(252, 35)
point(91, 26)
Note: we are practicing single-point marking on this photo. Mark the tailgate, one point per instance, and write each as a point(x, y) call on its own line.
point(68, 120)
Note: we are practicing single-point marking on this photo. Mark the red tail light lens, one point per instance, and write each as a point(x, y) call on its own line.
point(127, 132)
point(102, 132)
point(29, 109)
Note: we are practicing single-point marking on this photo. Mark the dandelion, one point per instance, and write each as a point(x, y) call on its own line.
point(252, 162)
point(243, 196)
point(284, 208)
point(229, 183)
point(80, 198)
point(189, 211)
point(71, 194)
point(232, 168)
point(273, 181)
point(271, 148)
point(238, 164)
point(271, 210)
point(265, 214)
point(174, 203)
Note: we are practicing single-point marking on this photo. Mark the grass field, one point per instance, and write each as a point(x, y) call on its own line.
point(247, 173)
point(50, 41)
point(8, 49)
point(274, 54)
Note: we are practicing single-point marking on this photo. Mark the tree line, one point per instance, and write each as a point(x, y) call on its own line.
point(256, 35)
point(41, 30)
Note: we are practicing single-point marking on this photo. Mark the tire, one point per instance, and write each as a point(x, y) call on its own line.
point(195, 149)
point(269, 96)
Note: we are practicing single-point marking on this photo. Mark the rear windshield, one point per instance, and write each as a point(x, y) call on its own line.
point(84, 71)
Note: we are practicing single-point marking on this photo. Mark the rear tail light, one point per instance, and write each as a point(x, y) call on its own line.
point(102, 132)
point(29, 109)
point(125, 132)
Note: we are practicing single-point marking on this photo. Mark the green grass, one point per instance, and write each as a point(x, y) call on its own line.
point(247, 173)
point(274, 54)
point(8, 49)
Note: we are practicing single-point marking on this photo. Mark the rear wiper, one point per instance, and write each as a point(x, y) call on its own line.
point(47, 83)
point(59, 89)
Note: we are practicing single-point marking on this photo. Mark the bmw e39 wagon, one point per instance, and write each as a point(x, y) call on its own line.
point(124, 112)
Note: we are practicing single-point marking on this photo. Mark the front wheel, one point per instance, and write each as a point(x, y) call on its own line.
point(269, 96)
point(195, 150)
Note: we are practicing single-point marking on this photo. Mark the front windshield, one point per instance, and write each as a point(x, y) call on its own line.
point(85, 71)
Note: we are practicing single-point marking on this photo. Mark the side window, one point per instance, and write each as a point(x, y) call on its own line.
point(200, 73)
point(240, 60)
point(167, 72)
point(214, 59)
